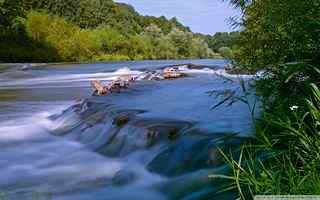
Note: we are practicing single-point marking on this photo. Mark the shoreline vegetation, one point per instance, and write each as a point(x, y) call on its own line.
point(98, 30)
point(280, 38)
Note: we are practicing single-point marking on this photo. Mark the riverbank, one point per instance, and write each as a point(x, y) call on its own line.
point(281, 39)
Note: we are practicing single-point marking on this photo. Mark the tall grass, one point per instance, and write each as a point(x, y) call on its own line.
point(286, 157)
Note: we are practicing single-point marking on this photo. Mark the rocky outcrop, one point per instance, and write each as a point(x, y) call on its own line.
point(123, 177)
point(99, 88)
point(193, 151)
point(124, 81)
point(172, 73)
point(113, 131)
point(116, 132)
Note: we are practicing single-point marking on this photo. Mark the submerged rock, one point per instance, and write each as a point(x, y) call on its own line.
point(83, 114)
point(141, 134)
point(198, 185)
point(26, 66)
point(123, 177)
point(192, 152)
point(151, 76)
point(121, 120)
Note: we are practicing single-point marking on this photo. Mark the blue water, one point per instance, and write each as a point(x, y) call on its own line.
point(50, 148)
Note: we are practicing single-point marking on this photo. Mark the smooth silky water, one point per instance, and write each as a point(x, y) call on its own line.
point(155, 140)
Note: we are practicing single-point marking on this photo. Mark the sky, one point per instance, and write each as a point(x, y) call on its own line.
point(203, 16)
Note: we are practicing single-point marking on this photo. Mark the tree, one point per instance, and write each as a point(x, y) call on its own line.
point(165, 49)
point(11, 13)
point(181, 41)
point(78, 30)
point(225, 52)
point(279, 31)
point(153, 31)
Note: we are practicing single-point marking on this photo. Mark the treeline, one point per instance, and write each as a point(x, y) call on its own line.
point(223, 42)
point(93, 13)
point(91, 30)
point(281, 39)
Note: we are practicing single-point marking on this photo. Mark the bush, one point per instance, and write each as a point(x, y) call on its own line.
point(52, 31)
point(71, 42)
point(226, 52)
point(112, 57)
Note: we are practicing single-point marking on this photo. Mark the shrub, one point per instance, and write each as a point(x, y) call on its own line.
point(110, 57)
point(226, 52)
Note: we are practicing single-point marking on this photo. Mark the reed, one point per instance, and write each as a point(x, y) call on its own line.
point(286, 157)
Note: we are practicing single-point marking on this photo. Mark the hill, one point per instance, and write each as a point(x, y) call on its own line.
point(92, 13)
point(91, 30)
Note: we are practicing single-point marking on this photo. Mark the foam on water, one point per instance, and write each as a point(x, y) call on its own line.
point(71, 78)
point(34, 161)
point(218, 72)
point(103, 76)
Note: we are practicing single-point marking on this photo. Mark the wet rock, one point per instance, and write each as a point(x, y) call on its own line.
point(121, 120)
point(152, 76)
point(117, 85)
point(121, 82)
point(163, 130)
point(193, 66)
point(32, 66)
point(123, 177)
point(127, 140)
point(127, 78)
point(172, 73)
point(140, 134)
point(26, 66)
point(99, 88)
point(198, 185)
point(85, 114)
point(192, 152)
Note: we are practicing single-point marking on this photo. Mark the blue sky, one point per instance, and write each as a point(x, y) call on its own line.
point(204, 16)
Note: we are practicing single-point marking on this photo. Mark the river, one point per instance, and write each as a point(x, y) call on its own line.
point(155, 140)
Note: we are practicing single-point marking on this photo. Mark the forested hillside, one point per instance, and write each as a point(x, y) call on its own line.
point(91, 30)
point(93, 13)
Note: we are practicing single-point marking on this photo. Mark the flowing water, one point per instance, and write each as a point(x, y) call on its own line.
point(155, 140)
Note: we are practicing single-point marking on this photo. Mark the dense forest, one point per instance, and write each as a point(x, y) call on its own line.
point(280, 38)
point(95, 30)
point(224, 43)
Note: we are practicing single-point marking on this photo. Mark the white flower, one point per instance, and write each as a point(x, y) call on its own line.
point(294, 108)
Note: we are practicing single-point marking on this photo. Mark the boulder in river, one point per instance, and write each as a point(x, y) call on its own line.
point(99, 88)
point(114, 86)
point(123, 177)
point(139, 133)
point(127, 78)
point(152, 76)
point(26, 66)
point(192, 152)
point(172, 73)
point(117, 85)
